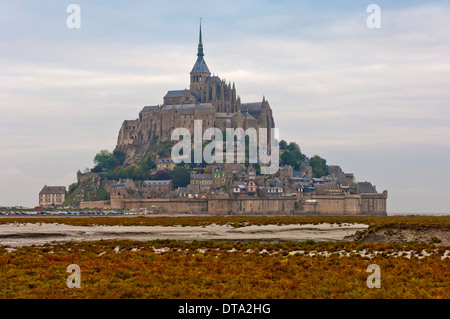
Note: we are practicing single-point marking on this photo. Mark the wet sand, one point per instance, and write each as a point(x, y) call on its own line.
point(36, 234)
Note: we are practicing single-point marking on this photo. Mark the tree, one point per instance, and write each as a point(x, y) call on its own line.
point(120, 158)
point(162, 175)
point(293, 147)
point(319, 166)
point(128, 172)
point(289, 158)
point(118, 172)
point(293, 156)
point(105, 160)
point(138, 173)
point(283, 145)
point(72, 188)
point(181, 177)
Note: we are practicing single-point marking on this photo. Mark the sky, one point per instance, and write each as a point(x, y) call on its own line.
point(375, 101)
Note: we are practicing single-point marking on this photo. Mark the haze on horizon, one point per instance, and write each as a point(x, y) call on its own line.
point(374, 101)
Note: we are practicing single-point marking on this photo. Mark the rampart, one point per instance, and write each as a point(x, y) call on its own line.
point(363, 204)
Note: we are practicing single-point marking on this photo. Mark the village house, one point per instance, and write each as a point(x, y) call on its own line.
point(219, 177)
point(156, 188)
point(239, 190)
point(251, 187)
point(165, 164)
point(274, 190)
point(123, 188)
point(52, 195)
point(251, 172)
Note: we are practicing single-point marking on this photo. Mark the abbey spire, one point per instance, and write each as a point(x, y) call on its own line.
point(200, 70)
point(200, 43)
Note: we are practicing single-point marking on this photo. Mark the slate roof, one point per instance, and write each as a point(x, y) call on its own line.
point(120, 184)
point(157, 182)
point(200, 66)
point(251, 107)
point(150, 108)
point(248, 116)
point(176, 93)
point(165, 160)
point(365, 187)
point(213, 78)
point(201, 176)
point(188, 106)
point(53, 190)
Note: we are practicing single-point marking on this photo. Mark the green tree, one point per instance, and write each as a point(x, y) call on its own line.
point(319, 166)
point(105, 160)
point(289, 158)
point(128, 172)
point(118, 172)
point(120, 158)
point(181, 177)
point(293, 156)
point(283, 145)
point(72, 188)
point(138, 173)
point(162, 175)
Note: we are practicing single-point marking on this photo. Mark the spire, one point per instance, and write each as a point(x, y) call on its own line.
point(200, 43)
point(200, 65)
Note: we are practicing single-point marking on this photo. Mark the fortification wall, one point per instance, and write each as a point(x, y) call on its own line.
point(336, 205)
point(320, 205)
point(96, 204)
point(170, 205)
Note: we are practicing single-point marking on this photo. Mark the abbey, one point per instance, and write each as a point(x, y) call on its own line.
point(209, 99)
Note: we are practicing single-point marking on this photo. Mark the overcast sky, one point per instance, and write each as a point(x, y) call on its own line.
point(374, 101)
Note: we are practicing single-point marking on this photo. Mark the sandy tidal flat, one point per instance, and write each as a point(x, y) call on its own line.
point(32, 234)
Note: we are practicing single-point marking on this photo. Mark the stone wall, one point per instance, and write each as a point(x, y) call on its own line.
point(365, 204)
point(96, 204)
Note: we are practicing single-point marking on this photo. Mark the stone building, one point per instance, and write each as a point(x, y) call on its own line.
point(209, 98)
point(156, 188)
point(52, 195)
point(123, 188)
point(165, 164)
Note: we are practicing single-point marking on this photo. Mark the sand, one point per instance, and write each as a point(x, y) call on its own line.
point(36, 234)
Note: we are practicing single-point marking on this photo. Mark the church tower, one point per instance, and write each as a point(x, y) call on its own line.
point(200, 70)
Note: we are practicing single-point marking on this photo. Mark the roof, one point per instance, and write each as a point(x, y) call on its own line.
point(200, 66)
point(165, 160)
point(201, 176)
point(213, 78)
point(157, 182)
point(150, 108)
point(239, 114)
point(120, 184)
point(251, 107)
point(296, 174)
point(176, 93)
point(53, 190)
point(189, 106)
point(248, 116)
point(365, 187)
point(218, 114)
